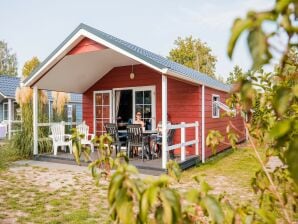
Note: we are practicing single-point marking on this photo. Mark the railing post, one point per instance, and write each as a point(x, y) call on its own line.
point(35, 120)
point(164, 106)
point(9, 118)
point(197, 137)
point(182, 141)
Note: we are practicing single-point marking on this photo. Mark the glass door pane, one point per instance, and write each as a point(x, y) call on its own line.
point(143, 104)
point(102, 111)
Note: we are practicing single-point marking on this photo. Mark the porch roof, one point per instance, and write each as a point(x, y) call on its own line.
point(93, 65)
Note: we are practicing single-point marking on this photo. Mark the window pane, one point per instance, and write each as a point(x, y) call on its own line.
point(106, 99)
point(147, 111)
point(98, 111)
point(98, 99)
point(139, 108)
point(106, 112)
point(147, 97)
point(139, 97)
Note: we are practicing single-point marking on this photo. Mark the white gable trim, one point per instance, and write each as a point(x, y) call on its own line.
point(72, 43)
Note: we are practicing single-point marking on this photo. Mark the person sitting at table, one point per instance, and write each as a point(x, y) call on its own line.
point(138, 120)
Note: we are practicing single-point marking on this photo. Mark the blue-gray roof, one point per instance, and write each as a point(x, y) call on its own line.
point(157, 60)
point(154, 59)
point(8, 85)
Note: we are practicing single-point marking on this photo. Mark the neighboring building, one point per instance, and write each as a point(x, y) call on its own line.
point(118, 79)
point(8, 86)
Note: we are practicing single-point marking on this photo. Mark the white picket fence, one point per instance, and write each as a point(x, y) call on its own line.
point(183, 143)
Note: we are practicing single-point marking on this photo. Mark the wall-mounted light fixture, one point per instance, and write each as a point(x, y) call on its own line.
point(132, 74)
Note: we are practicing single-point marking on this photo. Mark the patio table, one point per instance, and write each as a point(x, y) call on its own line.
point(3, 129)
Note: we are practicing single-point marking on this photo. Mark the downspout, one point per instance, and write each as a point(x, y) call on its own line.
point(203, 123)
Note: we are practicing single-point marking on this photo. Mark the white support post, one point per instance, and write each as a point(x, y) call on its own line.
point(203, 123)
point(164, 93)
point(182, 141)
point(9, 118)
point(197, 137)
point(35, 120)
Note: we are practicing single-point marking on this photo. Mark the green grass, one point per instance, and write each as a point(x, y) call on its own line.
point(230, 172)
point(7, 155)
point(31, 202)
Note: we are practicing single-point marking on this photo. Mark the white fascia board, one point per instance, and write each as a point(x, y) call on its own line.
point(3, 95)
point(60, 54)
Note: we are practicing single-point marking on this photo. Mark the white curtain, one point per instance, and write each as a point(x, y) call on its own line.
point(117, 102)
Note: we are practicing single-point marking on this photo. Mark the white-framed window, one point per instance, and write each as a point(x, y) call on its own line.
point(215, 107)
point(5, 111)
point(69, 111)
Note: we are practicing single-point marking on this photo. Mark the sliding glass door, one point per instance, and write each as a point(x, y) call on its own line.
point(129, 101)
point(143, 101)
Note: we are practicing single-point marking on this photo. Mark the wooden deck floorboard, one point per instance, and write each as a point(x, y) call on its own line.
point(152, 167)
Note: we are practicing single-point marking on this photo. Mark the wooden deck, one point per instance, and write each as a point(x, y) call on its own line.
point(152, 167)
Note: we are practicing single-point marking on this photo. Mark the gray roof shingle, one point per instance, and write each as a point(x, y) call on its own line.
point(147, 56)
point(8, 85)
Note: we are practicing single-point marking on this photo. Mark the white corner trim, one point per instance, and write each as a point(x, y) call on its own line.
point(203, 122)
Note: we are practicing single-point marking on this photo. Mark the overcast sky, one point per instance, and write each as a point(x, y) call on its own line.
point(35, 27)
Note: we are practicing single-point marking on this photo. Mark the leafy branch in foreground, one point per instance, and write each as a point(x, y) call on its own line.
point(77, 148)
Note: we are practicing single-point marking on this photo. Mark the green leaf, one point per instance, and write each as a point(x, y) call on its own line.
point(282, 5)
point(280, 129)
point(205, 187)
point(239, 26)
point(213, 208)
point(116, 182)
point(292, 158)
point(282, 99)
point(258, 47)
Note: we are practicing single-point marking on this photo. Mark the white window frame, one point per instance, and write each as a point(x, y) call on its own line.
point(69, 109)
point(5, 118)
point(218, 109)
point(94, 106)
point(134, 89)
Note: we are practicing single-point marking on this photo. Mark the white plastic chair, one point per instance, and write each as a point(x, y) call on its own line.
point(84, 129)
point(60, 138)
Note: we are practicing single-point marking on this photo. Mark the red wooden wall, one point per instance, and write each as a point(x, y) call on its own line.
point(184, 101)
point(221, 123)
point(86, 45)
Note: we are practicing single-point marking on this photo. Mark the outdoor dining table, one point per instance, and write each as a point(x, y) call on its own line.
point(146, 133)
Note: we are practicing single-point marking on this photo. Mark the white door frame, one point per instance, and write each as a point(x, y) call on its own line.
point(139, 88)
point(94, 105)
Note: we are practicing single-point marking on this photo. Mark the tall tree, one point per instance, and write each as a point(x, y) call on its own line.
point(194, 54)
point(29, 66)
point(234, 75)
point(8, 60)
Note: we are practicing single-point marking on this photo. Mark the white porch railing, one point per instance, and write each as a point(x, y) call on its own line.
point(11, 127)
point(43, 125)
point(183, 143)
point(224, 107)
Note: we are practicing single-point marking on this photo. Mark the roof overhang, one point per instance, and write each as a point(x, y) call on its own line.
point(76, 73)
